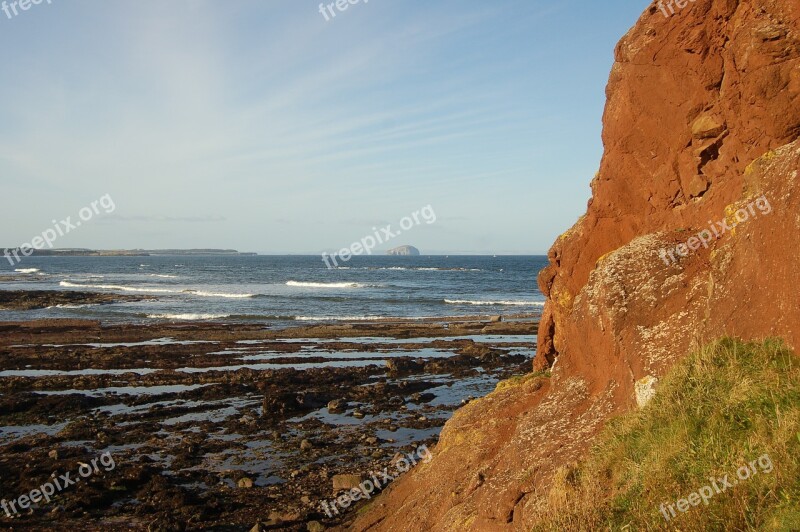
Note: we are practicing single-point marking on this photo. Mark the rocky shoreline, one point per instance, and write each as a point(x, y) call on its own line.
point(231, 426)
point(39, 299)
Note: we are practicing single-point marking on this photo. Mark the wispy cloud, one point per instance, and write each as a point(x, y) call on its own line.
point(264, 114)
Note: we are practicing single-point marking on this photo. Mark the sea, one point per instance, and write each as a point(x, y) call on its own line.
point(283, 290)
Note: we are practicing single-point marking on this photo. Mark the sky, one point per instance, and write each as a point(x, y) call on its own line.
point(259, 125)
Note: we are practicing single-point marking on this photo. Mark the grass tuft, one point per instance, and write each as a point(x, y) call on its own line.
point(723, 407)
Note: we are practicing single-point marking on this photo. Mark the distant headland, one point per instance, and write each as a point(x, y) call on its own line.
point(82, 252)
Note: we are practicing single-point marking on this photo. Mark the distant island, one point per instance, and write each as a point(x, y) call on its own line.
point(81, 252)
point(408, 251)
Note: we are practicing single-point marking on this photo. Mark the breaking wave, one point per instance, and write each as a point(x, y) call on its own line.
point(123, 288)
point(498, 303)
point(304, 284)
point(189, 317)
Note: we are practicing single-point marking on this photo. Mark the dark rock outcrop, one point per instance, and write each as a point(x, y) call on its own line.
point(38, 299)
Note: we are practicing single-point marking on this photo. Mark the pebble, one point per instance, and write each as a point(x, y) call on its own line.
point(315, 526)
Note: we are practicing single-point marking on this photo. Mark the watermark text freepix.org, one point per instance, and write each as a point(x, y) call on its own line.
point(57, 484)
point(706, 236)
point(679, 3)
point(376, 481)
point(368, 243)
point(61, 228)
point(340, 5)
point(718, 485)
point(24, 5)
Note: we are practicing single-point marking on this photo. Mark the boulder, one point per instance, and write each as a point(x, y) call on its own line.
point(337, 405)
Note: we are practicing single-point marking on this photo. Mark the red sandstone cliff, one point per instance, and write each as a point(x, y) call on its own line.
point(702, 119)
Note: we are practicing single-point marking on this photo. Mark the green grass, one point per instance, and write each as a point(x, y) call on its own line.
point(721, 408)
point(518, 380)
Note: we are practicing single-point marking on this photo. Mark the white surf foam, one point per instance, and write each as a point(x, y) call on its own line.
point(27, 270)
point(361, 318)
point(498, 303)
point(147, 290)
point(220, 294)
point(303, 284)
point(426, 269)
point(339, 318)
point(188, 317)
point(68, 284)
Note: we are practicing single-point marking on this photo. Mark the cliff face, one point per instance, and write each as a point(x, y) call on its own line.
point(693, 232)
point(692, 101)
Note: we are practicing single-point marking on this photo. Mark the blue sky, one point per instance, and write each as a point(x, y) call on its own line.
point(257, 125)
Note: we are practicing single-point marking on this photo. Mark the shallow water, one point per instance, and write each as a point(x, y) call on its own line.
point(372, 355)
point(127, 390)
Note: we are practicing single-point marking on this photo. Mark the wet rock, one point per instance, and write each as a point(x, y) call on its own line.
point(308, 400)
point(403, 365)
point(166, 523)
point(164, 466)
point(315, 526)
point(306, 445)
point(396, 401)
point(337, 406)
point(39, 299)
point(422, 397)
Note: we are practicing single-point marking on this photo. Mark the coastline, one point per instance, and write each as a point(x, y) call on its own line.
point(232, 424)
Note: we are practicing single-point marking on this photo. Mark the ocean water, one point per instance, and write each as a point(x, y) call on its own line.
point(284, 288)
